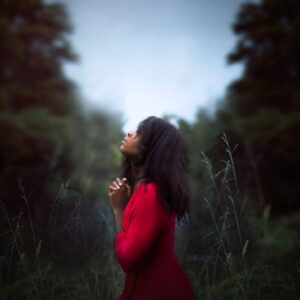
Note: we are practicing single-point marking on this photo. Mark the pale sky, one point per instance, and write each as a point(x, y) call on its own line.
point(152, 57)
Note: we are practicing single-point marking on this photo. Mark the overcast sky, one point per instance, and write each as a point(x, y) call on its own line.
point(152, 57)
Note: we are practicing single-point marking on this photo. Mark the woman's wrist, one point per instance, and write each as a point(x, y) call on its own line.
point(118, 210)
point(118, 214)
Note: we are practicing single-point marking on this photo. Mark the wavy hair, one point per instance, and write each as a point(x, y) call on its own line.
point(162, 154)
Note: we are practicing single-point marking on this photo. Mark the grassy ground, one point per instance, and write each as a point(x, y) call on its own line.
point(229, 259)
point(273, 273)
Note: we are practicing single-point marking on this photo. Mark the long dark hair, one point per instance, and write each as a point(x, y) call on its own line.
point(162, 154)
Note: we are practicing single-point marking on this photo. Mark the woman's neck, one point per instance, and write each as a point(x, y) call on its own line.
point(139, 177)
point(137, 182)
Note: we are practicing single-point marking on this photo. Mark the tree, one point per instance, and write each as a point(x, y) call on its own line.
point(264, 103)
point(38, 103)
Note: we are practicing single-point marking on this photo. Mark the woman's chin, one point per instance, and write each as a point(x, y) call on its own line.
point(122, 149)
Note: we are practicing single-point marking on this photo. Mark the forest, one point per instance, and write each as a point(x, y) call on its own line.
point(57, 159)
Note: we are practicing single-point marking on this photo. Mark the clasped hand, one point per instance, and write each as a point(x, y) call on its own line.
point(119, 192)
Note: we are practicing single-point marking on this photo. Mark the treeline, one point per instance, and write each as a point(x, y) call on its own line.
point(260, 111)
point(54, 152)
point(47, 137)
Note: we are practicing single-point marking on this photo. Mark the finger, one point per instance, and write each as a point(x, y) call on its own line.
point(122, 184)
point(111, 187)
point(119, 181)
point(116, 185)
point(111, 193)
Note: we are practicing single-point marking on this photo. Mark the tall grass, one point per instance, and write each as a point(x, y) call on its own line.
point(234, 265)
point(70, 255)
point(54, 260)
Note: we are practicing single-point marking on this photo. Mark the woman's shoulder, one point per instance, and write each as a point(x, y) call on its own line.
point(150, 187)
point(147, 195)
point(148, 192)
point(146, 189)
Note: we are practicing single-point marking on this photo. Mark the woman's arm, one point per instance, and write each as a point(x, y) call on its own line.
point(118, 214)
point(146, 223)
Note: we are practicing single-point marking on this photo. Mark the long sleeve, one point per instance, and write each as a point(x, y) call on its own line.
point(134, 243)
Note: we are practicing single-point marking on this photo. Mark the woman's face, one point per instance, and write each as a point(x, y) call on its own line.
point(130, 143)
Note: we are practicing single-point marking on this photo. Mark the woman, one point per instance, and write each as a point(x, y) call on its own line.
point(151, 192)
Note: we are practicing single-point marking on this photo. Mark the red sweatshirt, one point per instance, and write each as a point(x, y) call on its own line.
point(144, 250)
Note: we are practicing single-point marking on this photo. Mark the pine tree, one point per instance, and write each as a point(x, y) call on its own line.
point(264, 103)
point(38, 105)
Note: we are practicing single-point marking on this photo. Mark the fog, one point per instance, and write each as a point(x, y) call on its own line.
point(154, 57)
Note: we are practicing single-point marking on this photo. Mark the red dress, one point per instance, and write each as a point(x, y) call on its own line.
point(144, 250)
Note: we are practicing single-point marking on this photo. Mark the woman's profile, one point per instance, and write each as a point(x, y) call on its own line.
point(150, 194)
